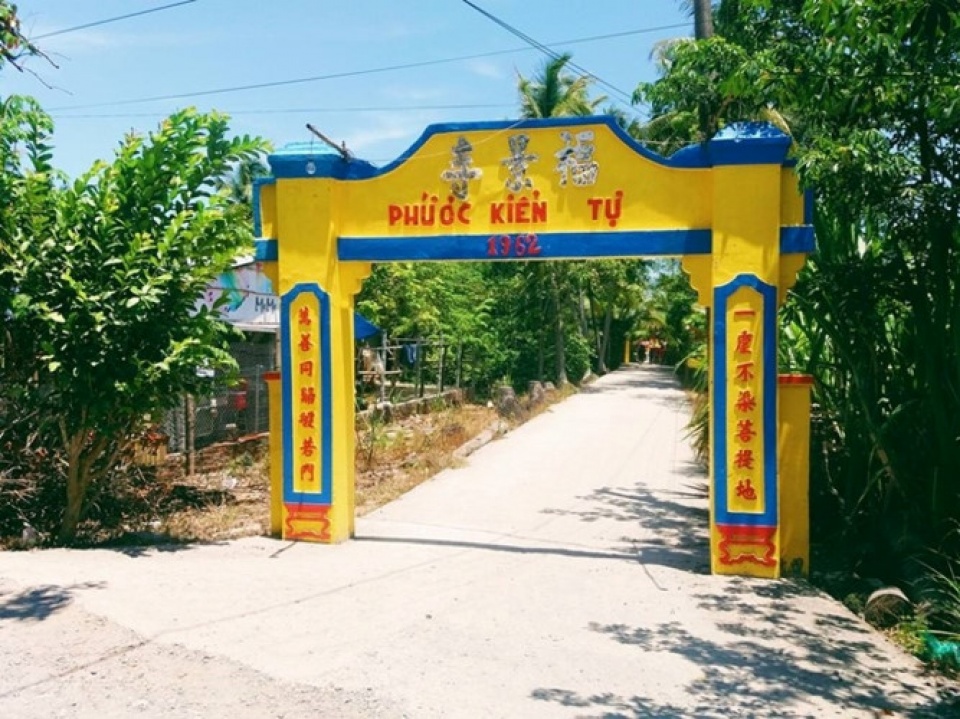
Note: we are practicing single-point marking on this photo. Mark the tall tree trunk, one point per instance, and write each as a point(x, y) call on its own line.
point(561, 348)
point(597, 337)
point(703, 29)
point(605, 344)
point(540, 354)
point(76, 489)
point(702, 19)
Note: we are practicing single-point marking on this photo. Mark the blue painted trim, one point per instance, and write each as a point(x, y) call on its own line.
point(259, 182)
point(749, 143)
point(325, 497)
point(553, 245)
point(721, 376)
point(809, 204)
point(797, 239)
point(757, 146)
point(266, 250)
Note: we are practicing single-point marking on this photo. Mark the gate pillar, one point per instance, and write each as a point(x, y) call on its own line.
point(298, 210)
point(753, 261)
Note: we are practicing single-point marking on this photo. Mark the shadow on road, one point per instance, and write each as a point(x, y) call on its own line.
point(39, 603)
point(510, 548)
point(744, 672)
point(672, 526)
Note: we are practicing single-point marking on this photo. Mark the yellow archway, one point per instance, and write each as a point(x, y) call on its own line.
point(548, 189)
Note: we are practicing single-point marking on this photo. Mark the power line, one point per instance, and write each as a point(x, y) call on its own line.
point(355, 73)
point(108, 20)
point(549, 52)
point(295, 110)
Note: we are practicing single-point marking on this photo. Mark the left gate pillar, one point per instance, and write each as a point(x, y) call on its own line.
point(296, 215)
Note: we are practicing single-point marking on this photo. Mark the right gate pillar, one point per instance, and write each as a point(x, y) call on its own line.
point(761, 231)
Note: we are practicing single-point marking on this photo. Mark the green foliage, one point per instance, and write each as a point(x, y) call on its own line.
point(456, 301)
point(870, 91)
point(14, 46)
point(100, 279)
point(556, 93)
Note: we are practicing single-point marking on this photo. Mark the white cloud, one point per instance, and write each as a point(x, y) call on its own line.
point(384, 136)
point(411, 94)
point(485, 68)
point(86, 41)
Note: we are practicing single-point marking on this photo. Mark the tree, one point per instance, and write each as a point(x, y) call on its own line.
point(870, 91)
point(555, 93)
point(14, 46)
point(101, 278)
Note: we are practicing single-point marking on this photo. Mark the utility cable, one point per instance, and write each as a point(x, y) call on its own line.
point(353, 73)
point(300, 110)
point(97, 23)
point(549, 52)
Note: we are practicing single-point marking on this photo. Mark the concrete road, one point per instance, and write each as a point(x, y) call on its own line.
point(562, 572)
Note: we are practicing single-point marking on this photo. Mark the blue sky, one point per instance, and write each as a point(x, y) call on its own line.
point(106, 72)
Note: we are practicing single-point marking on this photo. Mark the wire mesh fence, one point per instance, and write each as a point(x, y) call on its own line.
point(230, 411)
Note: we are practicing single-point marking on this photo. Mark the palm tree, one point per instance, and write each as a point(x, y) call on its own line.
point(552, 92)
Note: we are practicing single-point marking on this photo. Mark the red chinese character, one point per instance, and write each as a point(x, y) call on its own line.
point(744, 459)
point(746, 402)
point(305, 342)
point(746, 490)
point(745, 430)
point(308, 395)
point(744, 371)
point(304, 317)
point(307, 447)
point(308, 472)
point(744, 343)
point(307, 420)
point(306, 368)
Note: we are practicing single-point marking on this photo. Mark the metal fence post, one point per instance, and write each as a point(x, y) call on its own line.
point(256, 400)
point(190, 424)
point(459, 376)
point(420, 350)
point(443, 352)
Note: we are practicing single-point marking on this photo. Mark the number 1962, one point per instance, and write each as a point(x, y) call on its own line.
point(508, 246)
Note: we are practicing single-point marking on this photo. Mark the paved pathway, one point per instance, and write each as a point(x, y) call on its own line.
point(562, 572)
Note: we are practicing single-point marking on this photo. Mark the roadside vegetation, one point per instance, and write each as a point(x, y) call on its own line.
point(870, 93)
point(868, 89)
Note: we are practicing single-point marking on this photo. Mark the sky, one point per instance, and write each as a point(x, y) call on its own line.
point(128, 75)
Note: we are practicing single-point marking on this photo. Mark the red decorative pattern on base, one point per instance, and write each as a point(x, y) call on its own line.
point(309, 522)
point(740, 543)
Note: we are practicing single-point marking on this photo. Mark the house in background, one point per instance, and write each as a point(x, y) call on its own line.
point(248, 303)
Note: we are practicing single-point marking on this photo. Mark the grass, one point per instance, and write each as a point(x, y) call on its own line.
point(391, 459)
point(394, 458)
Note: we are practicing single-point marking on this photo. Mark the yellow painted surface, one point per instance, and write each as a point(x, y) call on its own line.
point(276, 456)
point(268, 211)
point(746, 229)
point(790, 265)
point(794, 458)
point(746, 240)
point(653, 196)
point(791, 198)
point(699, 269)
point(744, 206)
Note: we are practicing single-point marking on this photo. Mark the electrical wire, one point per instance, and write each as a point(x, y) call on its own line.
point(296, 110)
point(97, 23)
point(549, 52)
point(353, 73)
